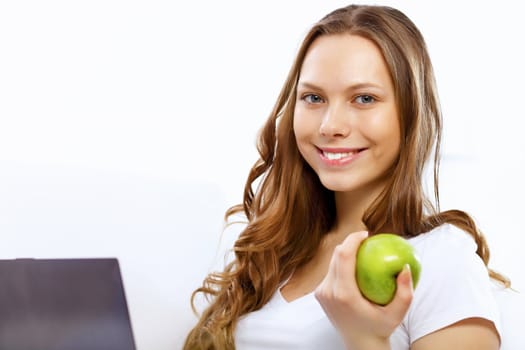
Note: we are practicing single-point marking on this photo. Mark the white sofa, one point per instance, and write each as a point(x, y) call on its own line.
point(512, 310)
point(166, 234)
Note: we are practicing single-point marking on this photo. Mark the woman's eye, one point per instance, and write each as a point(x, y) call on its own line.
point(313, 98)
point(365, 99)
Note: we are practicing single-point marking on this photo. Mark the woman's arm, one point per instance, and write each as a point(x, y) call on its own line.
point(471, 333)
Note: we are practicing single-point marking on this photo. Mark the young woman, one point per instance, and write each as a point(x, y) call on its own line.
point(342, 156)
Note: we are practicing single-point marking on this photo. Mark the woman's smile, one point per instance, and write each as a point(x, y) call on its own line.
point(340, 156)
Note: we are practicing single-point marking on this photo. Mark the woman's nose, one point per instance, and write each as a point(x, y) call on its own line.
point(336, 122)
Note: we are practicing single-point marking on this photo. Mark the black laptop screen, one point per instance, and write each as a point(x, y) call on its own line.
point(63, 304)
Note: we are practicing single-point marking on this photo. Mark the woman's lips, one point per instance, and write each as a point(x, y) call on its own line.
point(339, 156)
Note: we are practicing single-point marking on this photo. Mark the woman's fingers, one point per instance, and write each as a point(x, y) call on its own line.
point(346, 259)
point(404, 293)
point(339, 282)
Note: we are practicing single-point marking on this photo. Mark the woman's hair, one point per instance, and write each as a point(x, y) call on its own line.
point(287, 208)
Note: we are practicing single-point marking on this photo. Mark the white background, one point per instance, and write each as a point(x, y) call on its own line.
point(128, 127)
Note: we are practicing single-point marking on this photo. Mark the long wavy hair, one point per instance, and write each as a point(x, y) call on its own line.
point(287, 209)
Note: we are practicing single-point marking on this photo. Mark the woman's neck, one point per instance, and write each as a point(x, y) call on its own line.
point(351, 207)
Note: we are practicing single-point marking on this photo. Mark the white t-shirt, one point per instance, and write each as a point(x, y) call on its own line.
point(454, 285)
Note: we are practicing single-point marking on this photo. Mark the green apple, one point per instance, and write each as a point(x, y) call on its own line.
point(380, 258)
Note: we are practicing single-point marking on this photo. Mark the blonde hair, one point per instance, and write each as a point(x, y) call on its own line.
point(287, 208)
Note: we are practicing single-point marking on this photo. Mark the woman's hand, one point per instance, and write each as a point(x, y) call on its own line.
point(362, 324)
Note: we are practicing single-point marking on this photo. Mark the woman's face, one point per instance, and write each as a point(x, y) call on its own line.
point(346, 122)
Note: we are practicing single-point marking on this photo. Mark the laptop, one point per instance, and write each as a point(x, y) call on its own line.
point(63, 304)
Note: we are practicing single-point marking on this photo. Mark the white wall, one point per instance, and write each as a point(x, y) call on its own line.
point(128, 127)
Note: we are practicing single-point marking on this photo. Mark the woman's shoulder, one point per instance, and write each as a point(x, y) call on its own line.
point(445, 237)
point(448, 252)
point(454, 282)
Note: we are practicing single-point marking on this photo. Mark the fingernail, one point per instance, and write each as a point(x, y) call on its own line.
point(409, 277)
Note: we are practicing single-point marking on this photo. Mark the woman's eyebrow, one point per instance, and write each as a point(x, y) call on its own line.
point(353, 86)
point(307, 85)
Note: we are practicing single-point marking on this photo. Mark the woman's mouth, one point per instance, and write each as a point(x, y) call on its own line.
point(339, 156)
